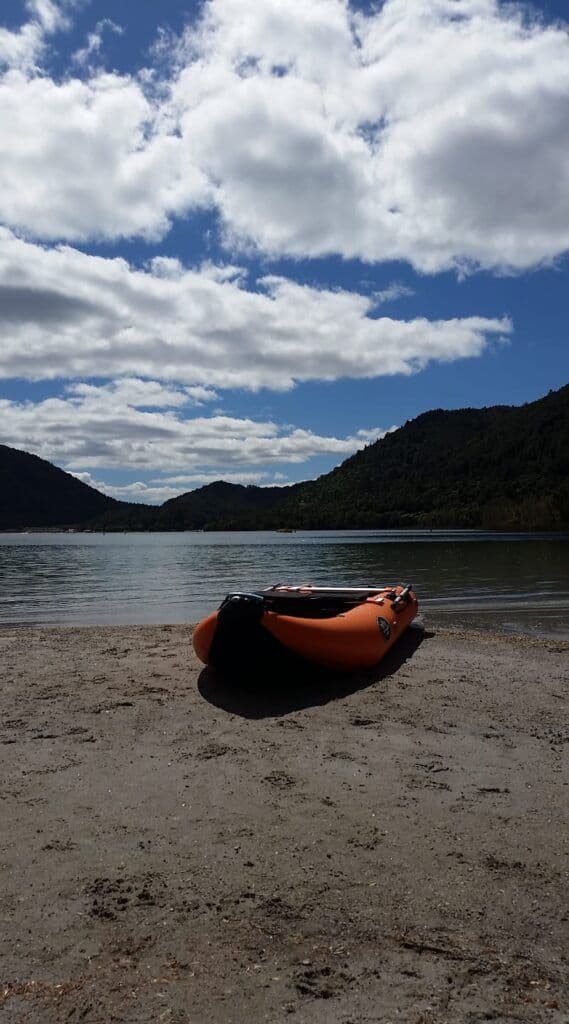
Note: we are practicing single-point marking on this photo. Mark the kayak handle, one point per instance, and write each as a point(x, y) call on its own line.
point(404, 596)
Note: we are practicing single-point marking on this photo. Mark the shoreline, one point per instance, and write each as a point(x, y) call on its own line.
point(559, 533)
point(424, 621)
point(383, 848)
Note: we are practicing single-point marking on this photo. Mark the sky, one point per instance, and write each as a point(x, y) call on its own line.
point(241, 239)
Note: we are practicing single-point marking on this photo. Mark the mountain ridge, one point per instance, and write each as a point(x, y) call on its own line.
point(43, 495)
point(499, 467)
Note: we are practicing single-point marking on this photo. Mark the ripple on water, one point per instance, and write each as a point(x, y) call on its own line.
point(516, 582)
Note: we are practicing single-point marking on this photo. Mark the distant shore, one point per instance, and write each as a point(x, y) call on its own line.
point(562, 531)
point(381, 849)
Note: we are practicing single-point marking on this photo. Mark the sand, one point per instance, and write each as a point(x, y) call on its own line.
point(387, 849)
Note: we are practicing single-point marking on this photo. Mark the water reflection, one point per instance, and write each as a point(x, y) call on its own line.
point(512, 581)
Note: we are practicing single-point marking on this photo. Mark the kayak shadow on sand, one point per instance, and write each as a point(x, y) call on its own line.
point(295, 684)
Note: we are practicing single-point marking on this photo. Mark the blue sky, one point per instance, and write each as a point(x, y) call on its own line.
point(241, 239)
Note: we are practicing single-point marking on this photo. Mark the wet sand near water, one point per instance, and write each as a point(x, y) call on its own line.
point(388, 848)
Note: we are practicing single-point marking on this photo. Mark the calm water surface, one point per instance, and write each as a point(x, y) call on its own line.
point(517, 582)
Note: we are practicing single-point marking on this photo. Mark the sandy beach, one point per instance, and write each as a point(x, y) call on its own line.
point(391, 848)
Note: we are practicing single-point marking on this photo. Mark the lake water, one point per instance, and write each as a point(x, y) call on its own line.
point(516, 582)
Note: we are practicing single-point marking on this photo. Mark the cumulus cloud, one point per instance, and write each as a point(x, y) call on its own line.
point(64, 313)
point(143, 425)
point(432, 131)
point(157, 491)
point(91, 159)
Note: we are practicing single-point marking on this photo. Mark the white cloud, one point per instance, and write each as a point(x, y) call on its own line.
point(141, 424)
point(441, 139)
point(67, 314)
point(199, 395)
point(94, 41)
point(368, 436)
point(433, 131)
point(24, 47)
point(187, 481)
point(395, 290)
point(88, 159)
point(48, 13)
point(155, 492)
point(20, 48)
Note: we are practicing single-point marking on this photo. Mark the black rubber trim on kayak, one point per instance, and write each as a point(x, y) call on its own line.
point(243, 607)
point(313, 605)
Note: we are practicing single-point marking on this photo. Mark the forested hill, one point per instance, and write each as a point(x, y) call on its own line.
point(219, 505)
point(33, 493)
point(496, 468)
point(505, 467)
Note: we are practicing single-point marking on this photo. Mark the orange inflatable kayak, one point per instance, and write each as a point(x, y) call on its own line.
point(345, 629)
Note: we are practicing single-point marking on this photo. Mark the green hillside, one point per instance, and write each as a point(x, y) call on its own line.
point(497, 468)
point(206, 507)
point(505, 467)
point(33, 493)
point(234, 502)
